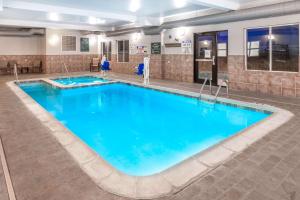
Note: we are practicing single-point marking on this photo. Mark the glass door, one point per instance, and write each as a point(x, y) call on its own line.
point(205, 61)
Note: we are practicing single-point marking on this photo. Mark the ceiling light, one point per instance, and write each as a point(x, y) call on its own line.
point(271, 37)
point(102, 38)
point(135, 5)
point(53, 40)
point(94, 20)
point(179, 3)
point(136, 36)
point(53, 16)
point(181, 32)
point(93, 40)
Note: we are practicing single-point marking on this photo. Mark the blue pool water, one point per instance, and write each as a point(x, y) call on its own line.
point(141, 131)
point(79, 80)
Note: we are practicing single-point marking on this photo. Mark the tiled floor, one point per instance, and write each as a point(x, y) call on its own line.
point(41, 169)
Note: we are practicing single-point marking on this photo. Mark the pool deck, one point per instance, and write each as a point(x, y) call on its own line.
point(40, 168)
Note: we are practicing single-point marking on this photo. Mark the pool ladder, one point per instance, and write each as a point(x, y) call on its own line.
point(66, 70)
point(224, 83)
point(203, 85)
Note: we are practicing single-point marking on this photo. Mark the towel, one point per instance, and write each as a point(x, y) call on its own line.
point(103, 60)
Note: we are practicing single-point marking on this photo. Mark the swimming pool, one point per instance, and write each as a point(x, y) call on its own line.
point(79, 80)
point(141, 131)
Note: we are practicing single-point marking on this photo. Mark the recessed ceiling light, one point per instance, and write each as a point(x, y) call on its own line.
point(135, 5)
point(136, 36)
point(179, 3)
point(181, 32)
point(94, 20)
point(271, 37)
point(53, 40)
point(93, 40)
point(53, 16)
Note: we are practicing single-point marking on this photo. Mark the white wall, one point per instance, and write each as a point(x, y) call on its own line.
point(34, 45)
point(236, 32)
point(54, 39)
point(51, 43)
point(134, 40)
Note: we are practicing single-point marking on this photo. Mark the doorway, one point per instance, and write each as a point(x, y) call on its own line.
point(210, 56)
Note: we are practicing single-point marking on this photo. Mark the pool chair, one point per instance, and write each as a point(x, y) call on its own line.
point(3, 67)
point(10, 67)
point(37, 66)
point(140, 70)
point(105, 67)
point(94, 65)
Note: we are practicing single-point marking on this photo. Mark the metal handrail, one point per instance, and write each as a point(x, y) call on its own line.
point(66, 69)
point(219, 89)
point(16, 73)
point(202, 87)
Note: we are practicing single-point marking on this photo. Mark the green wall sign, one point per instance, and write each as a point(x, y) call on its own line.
point(156, 48)
point(84, 44)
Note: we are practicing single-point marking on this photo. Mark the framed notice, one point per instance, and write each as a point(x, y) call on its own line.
point(84, 45)
point(156, 48)
point(207, 54)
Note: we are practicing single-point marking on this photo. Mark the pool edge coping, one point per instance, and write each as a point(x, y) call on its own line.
point(170, 180)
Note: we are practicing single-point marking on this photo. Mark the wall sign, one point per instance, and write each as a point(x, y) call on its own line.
point(138, 49)
point(141, 49)
point(156, 48)
point(84, 45)
point(186, 46)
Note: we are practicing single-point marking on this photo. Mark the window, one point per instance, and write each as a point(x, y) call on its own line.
point(222, 49)
point(258, 49)
point(68, 43)
point(106, 49)
point(285, 48)
point(273, 48)
point(123, 51)
point(222, 40)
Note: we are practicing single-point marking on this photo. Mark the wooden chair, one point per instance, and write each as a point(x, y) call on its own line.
point(3, 67)
point(95, 64)
point(36, 66)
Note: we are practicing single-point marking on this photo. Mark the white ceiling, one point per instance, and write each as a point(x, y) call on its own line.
point(99, 15)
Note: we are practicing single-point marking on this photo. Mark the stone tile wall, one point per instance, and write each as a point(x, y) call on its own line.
point(275, 83)
point(126, 67)
point(178, 68)
point(75, 63)
point(54, 63)
point(170, 67)
point(23, 60)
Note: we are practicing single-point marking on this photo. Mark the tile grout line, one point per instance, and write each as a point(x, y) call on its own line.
point(9, 185)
